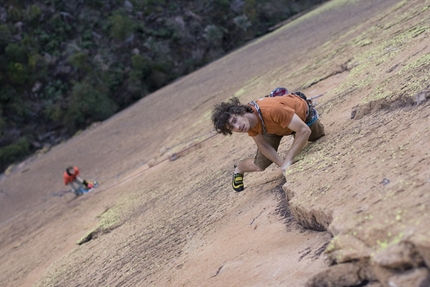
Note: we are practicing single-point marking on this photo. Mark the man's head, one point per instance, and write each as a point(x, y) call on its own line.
point(70, 170)
point(223, 112)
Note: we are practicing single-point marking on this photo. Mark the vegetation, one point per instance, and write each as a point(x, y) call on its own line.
point(66, 64)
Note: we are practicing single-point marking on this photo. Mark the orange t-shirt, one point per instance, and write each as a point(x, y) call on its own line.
point(70, 178)
point(277, 114)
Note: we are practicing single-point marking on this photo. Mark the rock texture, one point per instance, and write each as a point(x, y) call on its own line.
point(377, 205)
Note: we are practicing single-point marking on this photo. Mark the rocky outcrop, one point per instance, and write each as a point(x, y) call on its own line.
point(367, 181)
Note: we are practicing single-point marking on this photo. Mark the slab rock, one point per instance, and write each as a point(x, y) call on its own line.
point(346, 248)
point(422, 244)
point(348, 274)
point(397, 264)
point(400, 256)
point(317, 219)
point(419, 277)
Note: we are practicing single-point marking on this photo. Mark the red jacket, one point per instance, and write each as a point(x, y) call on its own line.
point(70, 178)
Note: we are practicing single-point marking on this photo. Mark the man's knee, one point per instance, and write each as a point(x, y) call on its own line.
point(260, 169)
point(261, 165)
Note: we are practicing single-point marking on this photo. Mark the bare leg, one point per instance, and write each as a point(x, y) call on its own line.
point(75, 186)
point(247, 165)
point(79, 180)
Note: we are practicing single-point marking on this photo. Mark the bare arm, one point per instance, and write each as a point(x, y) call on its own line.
point(79, 179)
point(301, 138)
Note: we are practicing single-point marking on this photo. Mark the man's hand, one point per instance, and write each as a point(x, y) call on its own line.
point(284, 168)
point(287, 166)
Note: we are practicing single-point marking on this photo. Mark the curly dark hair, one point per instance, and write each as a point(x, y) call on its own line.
point(222, 113)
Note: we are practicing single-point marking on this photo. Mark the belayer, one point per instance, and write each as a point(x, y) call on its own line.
point(72, 178)
point(267, 120)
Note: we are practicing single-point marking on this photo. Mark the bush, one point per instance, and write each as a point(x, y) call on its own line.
point(16, 53)
point(5, 35)
point(33, 13)
point(113, 78)
point(7, 93)
point(14, 13)
point(18, 109)
point(250, 9)
point(52, 95)
point(36, 61)
point(80, 60)
point(17, 73)
point(214, 35)
point(13, 109)
point(121, 26)
point(242, 22)
point(59, 31)
point(158, 79)
point(150, 6)
point(14, 152)
point(2, 125)
point(141, 64)
point(88, 103)
point(134, 83)
point(54, 90)
point(87, 40)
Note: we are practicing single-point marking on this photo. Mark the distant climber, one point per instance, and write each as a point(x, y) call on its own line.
point(79, 185)
point(267, 120)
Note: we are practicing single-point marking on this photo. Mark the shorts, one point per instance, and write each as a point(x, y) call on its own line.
point(317, 131)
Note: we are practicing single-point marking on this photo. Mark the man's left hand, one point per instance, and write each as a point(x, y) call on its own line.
point(285, 166)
